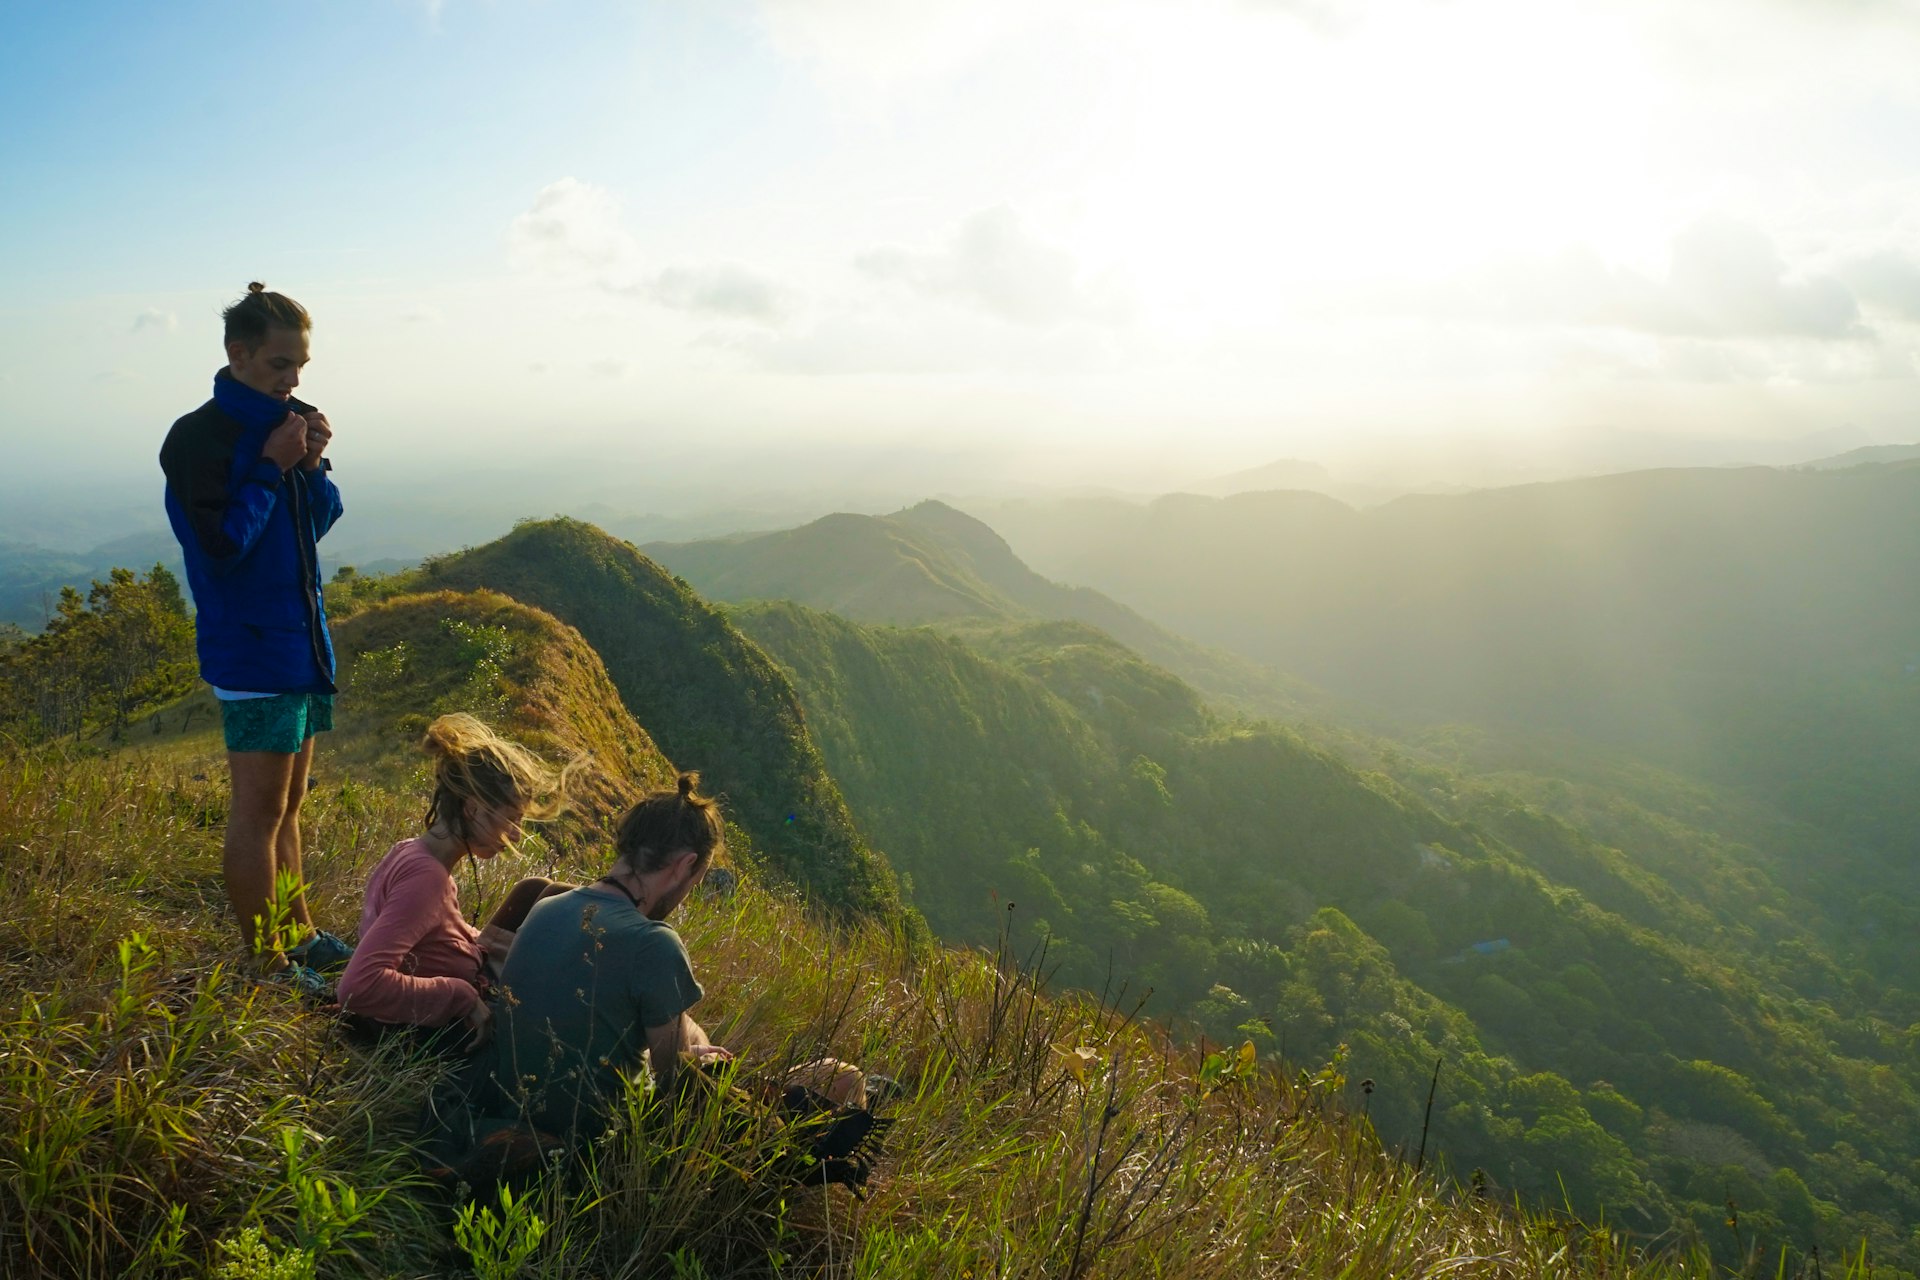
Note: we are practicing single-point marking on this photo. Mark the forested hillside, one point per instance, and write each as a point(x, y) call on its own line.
point(1637, 928)
point(1755, 627)
point(1597, 1024)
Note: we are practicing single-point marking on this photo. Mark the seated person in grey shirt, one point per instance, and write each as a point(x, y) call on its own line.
point(597, 977)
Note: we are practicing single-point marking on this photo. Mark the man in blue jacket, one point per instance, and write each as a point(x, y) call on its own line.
point(249, 496)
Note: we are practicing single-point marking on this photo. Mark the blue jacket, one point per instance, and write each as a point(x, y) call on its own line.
point(248, 533)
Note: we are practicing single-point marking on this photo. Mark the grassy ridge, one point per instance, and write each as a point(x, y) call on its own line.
point(709, 697)
point(408, 658)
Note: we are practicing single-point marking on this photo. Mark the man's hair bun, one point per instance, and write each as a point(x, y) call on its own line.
point(663, 823)
point(260, 309)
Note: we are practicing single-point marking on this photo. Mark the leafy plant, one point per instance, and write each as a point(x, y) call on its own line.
point(499, 1245)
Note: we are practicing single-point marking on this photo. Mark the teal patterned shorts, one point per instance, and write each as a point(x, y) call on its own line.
point(281, 724)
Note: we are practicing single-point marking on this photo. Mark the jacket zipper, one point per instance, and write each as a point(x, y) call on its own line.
point(309, 569)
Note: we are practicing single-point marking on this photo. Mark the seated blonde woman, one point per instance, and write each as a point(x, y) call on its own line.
point(419, 964)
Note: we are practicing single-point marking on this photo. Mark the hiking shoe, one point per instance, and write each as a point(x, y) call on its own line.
point(323, 952)
point(304, 982)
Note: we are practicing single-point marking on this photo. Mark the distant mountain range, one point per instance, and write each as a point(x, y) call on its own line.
point(1871, 455)
point(31, 576)
point(1757, 626)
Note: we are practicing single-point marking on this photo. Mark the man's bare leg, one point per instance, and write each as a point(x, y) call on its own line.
point(261, 783)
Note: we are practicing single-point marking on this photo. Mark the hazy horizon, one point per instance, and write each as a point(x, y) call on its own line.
point(409, 510)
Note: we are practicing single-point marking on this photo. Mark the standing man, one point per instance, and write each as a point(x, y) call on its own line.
point(249, 496)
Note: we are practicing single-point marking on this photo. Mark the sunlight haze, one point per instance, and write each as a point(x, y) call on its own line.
point(1127, 244)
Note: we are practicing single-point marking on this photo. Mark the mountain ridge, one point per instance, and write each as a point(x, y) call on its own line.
point(933, 564)
point(709, 697)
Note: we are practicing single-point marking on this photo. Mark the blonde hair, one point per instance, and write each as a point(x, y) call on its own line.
point(472, 762)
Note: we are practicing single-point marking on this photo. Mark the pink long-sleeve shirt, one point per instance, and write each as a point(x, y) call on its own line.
point(417, 960)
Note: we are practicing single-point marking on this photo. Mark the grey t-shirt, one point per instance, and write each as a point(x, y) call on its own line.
point(588, 974)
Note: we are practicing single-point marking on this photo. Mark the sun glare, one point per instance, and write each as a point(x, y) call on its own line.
point(1266, 160)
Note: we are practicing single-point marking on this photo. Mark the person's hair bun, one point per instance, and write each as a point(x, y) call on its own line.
point(254, 286)
point(449, 735)
point(687, 782)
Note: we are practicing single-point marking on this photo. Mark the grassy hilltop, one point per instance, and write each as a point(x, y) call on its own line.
point(162, 1116)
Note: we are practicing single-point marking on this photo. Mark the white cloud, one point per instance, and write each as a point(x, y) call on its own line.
point(608, 368)
point(154, 318)
point(726, 290)
point(1725, 279)
point(422, 315)
point(931, 343)
point(1888, 278)
point(576, 232)
point(993, 264)
point(1323, 17)
point(572, 227)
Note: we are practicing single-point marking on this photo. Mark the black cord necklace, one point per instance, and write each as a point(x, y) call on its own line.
point(625, 891)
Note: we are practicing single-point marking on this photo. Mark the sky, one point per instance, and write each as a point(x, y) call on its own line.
point(970, 243)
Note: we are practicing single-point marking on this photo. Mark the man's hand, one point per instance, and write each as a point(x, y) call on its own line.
point(672, 1042)
point(287, 444)
point(481, 1020)
point(318, 433)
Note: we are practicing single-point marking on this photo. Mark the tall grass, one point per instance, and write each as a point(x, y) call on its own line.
point(161, 1115)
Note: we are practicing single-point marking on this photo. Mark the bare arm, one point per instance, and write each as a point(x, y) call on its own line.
point(379, 983)
point(670, 1042)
